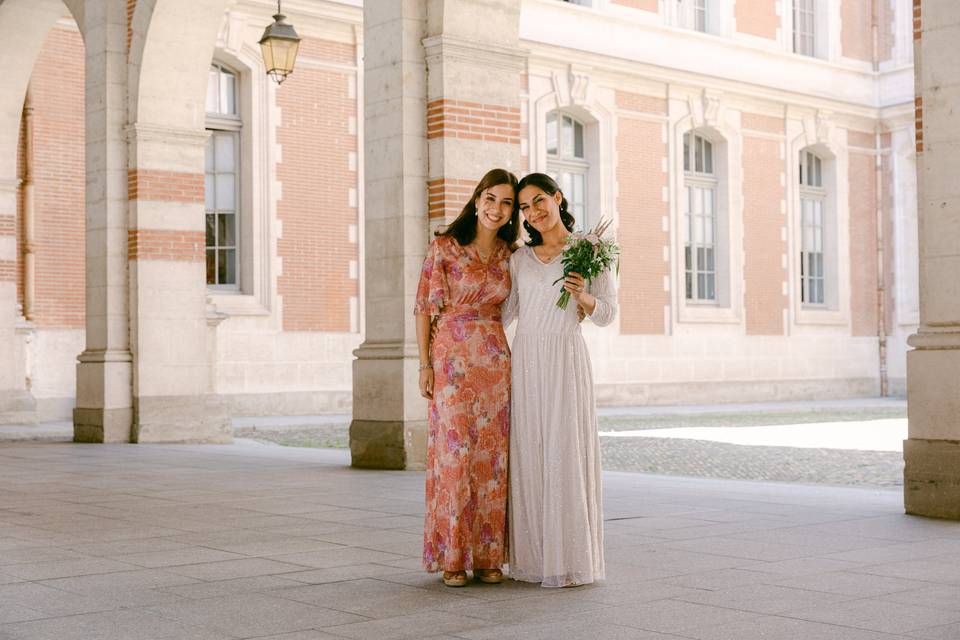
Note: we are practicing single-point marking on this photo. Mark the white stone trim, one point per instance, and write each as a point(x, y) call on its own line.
point(707, 113)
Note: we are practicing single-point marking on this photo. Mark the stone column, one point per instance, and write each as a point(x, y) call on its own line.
point(388, 430)
point(104, 411)
point(932, 452)
point(442, 107)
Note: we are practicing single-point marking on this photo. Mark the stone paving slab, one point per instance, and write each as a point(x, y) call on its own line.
point(160, 542)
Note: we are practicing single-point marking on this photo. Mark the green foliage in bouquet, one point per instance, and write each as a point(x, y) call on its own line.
point(588, 254)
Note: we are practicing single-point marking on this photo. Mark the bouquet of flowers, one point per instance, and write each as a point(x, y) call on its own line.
point(588, 254)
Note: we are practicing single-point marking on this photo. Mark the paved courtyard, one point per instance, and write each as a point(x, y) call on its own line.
point(213, 542)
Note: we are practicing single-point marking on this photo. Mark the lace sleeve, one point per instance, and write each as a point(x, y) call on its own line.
point(604, 289)
point(511, 306)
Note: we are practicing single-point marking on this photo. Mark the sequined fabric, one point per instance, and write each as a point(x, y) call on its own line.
point(469, 419)
point(556, 515)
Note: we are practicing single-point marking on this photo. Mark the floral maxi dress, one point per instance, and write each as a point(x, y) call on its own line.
point(469, 417)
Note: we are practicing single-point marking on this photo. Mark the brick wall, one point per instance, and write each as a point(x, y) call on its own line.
point(316, 210)
point(57, 90)
point(447, 196)
point(757, 17)
point(863, 243)
point(644, 5)
point(641, 182)
point(473, 121)
point(763, 244)
point(856, 32)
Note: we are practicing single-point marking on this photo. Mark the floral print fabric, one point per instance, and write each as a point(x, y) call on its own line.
point(469, 417)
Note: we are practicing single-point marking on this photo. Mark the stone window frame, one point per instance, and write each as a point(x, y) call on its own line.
point(825, 139)
point(705, 179)
point(226, 123)
point(721, 126)
point(256, 242)
point(826, 29)
point(814, 229)
point(567, 162)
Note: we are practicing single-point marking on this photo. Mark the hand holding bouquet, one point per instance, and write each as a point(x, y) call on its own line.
point(588, 254)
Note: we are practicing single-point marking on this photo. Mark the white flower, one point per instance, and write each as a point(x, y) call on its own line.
point(593, 239)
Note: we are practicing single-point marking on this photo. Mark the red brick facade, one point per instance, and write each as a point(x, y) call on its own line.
point(448, 196)
point(763, 244)
point(473, 121)
point(317, 180)
point(645, 5)
point(863, 243)
point(757, 17)
point(856, 30)
point(169, 186)
point(641, 182)
point(58, 174)
point(156, 244)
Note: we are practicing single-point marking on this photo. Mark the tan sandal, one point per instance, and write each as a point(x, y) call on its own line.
point(455, 578)
point(489, 576)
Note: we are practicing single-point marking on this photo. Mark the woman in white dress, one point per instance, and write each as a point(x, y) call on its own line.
point(556, 516)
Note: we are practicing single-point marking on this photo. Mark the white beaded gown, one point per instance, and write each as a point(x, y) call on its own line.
point(555, 510)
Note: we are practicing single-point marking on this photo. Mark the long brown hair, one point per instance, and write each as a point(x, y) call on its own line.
point(464, 228)
point(550, 187)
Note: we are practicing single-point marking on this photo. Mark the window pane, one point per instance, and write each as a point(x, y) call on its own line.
point(710, 262)
point(211, 230)
point(711, 292)
point(708, 156)
point(701, 285)
point(208, 154)
point(213, 90)
point(686, 152)
point(552, 133)
point(226, 192)
point(226, 267)
point(208, 191)
point(566, 144)
point(689, 279)
point(578, 140)
point(211, 266)
point(818, 179)
point(699, 154)
point(688, 258)
point(226, 230)
point(225, 146)
point(228, 93)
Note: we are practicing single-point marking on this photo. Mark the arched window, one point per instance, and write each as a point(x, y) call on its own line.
point(813, 197)
point(222, 178)
point(566, 161)
point(699, 218)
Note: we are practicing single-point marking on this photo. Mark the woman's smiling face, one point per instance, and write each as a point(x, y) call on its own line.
point(495, 206)
point(539, 208)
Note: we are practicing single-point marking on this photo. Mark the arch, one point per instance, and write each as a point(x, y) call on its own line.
point(24, 25)
point(172, 43)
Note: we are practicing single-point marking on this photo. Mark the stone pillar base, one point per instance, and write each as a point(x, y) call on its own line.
point(181, 419)
point(931, 478)
point(102, 425)
point(387, 444)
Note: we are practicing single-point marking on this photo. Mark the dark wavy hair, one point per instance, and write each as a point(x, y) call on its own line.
point(550, 187)
point(464, 227)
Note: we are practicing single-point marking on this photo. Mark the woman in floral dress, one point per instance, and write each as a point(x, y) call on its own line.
point(465, 374)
